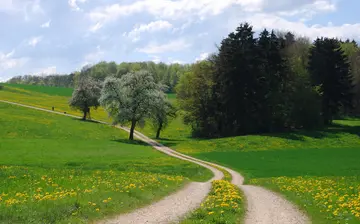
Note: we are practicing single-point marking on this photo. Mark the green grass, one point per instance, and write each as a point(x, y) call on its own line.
point(224, 204)
point(56, 169)
point(326, 160)
point(49, 90)
point(311, 159)
point(47, 97)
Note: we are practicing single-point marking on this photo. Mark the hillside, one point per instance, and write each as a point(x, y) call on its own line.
point(83, 168)
point(311, 168)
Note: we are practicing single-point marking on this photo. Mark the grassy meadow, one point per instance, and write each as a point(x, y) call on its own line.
point(318, 170)
point(57, 169)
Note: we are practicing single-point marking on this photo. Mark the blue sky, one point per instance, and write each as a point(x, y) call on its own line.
point(47, 36)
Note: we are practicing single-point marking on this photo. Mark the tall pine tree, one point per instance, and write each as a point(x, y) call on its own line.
point(234, 80)
point(330, 71)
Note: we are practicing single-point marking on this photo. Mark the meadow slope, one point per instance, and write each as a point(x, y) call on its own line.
point(318, 170)
point(58, 169)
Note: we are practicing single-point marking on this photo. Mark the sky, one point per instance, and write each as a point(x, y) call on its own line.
point(42, 37)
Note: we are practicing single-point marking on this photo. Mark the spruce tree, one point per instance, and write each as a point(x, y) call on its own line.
point(330, 72)
point(234, 80)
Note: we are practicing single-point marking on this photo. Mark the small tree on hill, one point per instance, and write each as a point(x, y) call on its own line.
point(85, 96)
point(330, 72)
point(130, 98)
point(162, 113)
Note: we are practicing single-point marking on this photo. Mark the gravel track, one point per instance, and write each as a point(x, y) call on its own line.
point(263, 206)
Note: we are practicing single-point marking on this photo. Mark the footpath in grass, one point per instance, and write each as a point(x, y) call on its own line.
point(46, 98)
point(56, 169)
point(317, 170)
point(224, 204)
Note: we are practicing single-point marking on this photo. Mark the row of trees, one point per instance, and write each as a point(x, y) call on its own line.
point(50, 80)
point(131, 99)
point(166, 74)
point(272, 82)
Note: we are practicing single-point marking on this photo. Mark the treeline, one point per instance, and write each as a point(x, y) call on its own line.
point(50, 80)
point(270, 82)
point(166, 74)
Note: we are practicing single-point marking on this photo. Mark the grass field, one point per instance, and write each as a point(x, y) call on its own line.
point(319, 170)
point(56, 169)
point(49, 90)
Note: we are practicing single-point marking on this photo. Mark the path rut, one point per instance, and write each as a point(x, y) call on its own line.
point(263, 206)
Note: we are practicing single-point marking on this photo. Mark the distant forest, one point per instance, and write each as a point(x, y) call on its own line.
point(167, 74)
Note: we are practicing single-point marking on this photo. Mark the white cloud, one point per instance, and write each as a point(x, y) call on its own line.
point(46, 25)
point(74, 4)
point(46, 71)
point(177, 62)
point(35, 40)
point(155, 59)
point(150, 27)
point(261, 21)
point(93, 57)
point(182, 28)
point(203, 34)
point(153, 48)
point(307, 11)
point(202, 56)
point(6, 5)
point(95, 27)
point(7, 61)
point(170, 9)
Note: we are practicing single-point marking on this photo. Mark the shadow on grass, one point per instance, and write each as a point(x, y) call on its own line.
point(332, 131)
point(290, 163)
point(81, 120)
point(132, 142)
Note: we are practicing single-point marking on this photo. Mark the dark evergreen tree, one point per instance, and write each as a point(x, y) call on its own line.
point(235, 77)
point(330, 72)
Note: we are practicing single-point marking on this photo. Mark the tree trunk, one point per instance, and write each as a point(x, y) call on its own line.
point(133, 124)
point(84, 116)
point(158, 131)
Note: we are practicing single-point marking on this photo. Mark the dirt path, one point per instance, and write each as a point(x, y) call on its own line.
point(263, 206)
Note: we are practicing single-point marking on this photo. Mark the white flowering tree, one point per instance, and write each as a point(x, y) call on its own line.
point(130, 98)
point(85, 96)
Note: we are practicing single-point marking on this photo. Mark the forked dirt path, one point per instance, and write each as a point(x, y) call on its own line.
point(263, 206)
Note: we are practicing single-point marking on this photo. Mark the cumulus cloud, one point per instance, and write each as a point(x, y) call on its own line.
point(261, 21)
point(202, 56)
point(172, 46)
point(169, 9)
point(35, 40)
point(154, 26)
point(74, 4)
point(46, 71)
point(46, 25)
point(95, 27)
point(7, 61)
point(93, 57)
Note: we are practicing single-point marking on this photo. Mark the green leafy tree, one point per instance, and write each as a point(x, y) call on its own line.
point(85, 96)
point(162, 113)
point(130, 98)
point(194, 94)
point(330, 72)
point(352, 50)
